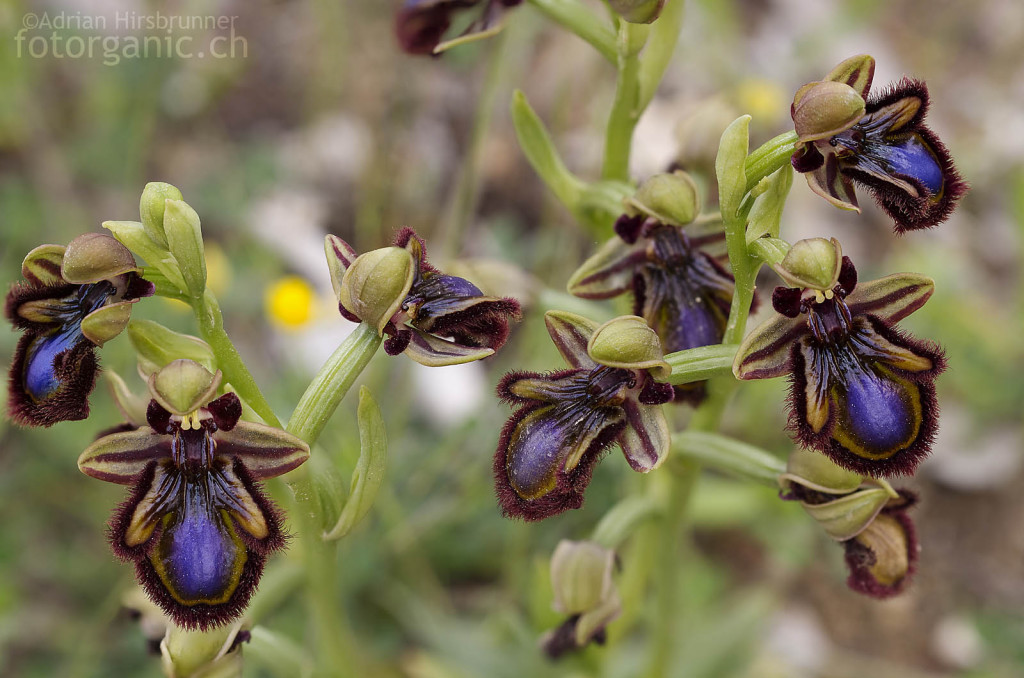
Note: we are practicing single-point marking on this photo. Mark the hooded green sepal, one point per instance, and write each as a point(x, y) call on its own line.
point(152, 206)
point(730, 167)
point(157, 346)
point(824, 109)
point(183, 386)
point(638, 11)
point(375, 285)
point(627, 342)
point(133, 235)
point(185, 241)
point(766, 214)
point(106, 322)
point(93, 257)
point(857, 72)
point(369, 472)
point(668, 198)
point(813, 263)
point(42, 265)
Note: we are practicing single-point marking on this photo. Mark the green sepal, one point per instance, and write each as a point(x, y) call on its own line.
point(730, 167)
point(817, 472)
point(340, 256)
point(157, 346)
point(267, 452)
point(201, 654)
point(765, 352)
point(133, 235)
point(571, 335)
point(131, 405)
point(766, 214)
point(42, 265)
point(891, 298)
point(183, 386)
point(185, 241)
point(627, 342)
point(426, 349)
point(857, 72)
point(846, 517)
point(106, 322)
point(369, 472)
point(92, 257)
point(151, 209)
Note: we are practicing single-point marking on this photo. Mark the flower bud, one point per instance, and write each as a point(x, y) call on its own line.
point(185, 241)
point(883, 557)
point(93, 257)
point(199, 654)
point(183, 386)
point(638, 11)
point(628, 342)
point(823, 109)
point(152, 206)
point(812, 263)
point(669, 198)
point(581, 576)
point(375, 285)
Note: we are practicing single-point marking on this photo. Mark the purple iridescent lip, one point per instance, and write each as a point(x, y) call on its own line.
point(862, 391)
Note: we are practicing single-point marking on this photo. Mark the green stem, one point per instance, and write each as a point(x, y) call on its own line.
point(626, 107)
point(574, 16)
point(211, 326)
point(698, 364)
point(317, 404)
point(660, 48)
point(329, 386)
point(769, 157)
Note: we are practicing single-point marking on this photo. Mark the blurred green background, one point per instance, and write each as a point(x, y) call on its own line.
point(320, 125)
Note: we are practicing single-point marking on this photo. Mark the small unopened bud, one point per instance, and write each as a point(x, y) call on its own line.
point(628, 342)
point(199, 654)
point(813, 263)
point(185, 241)
point(883, 557)
point(184, 386)
point(581, 576)
point(151, 209)
point(823, 109)
point(638, 11)
point(375, 285)
point(669, 198)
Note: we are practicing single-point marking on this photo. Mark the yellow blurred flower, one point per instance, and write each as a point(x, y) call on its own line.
point(290, 302)
point(763, 99)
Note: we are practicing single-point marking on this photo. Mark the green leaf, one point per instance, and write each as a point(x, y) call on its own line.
point(542, 155)
point(132, 235)
point(185, 240)
point(730, 166)
point(622, 520)
point(766, 214)
point(369, 472)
